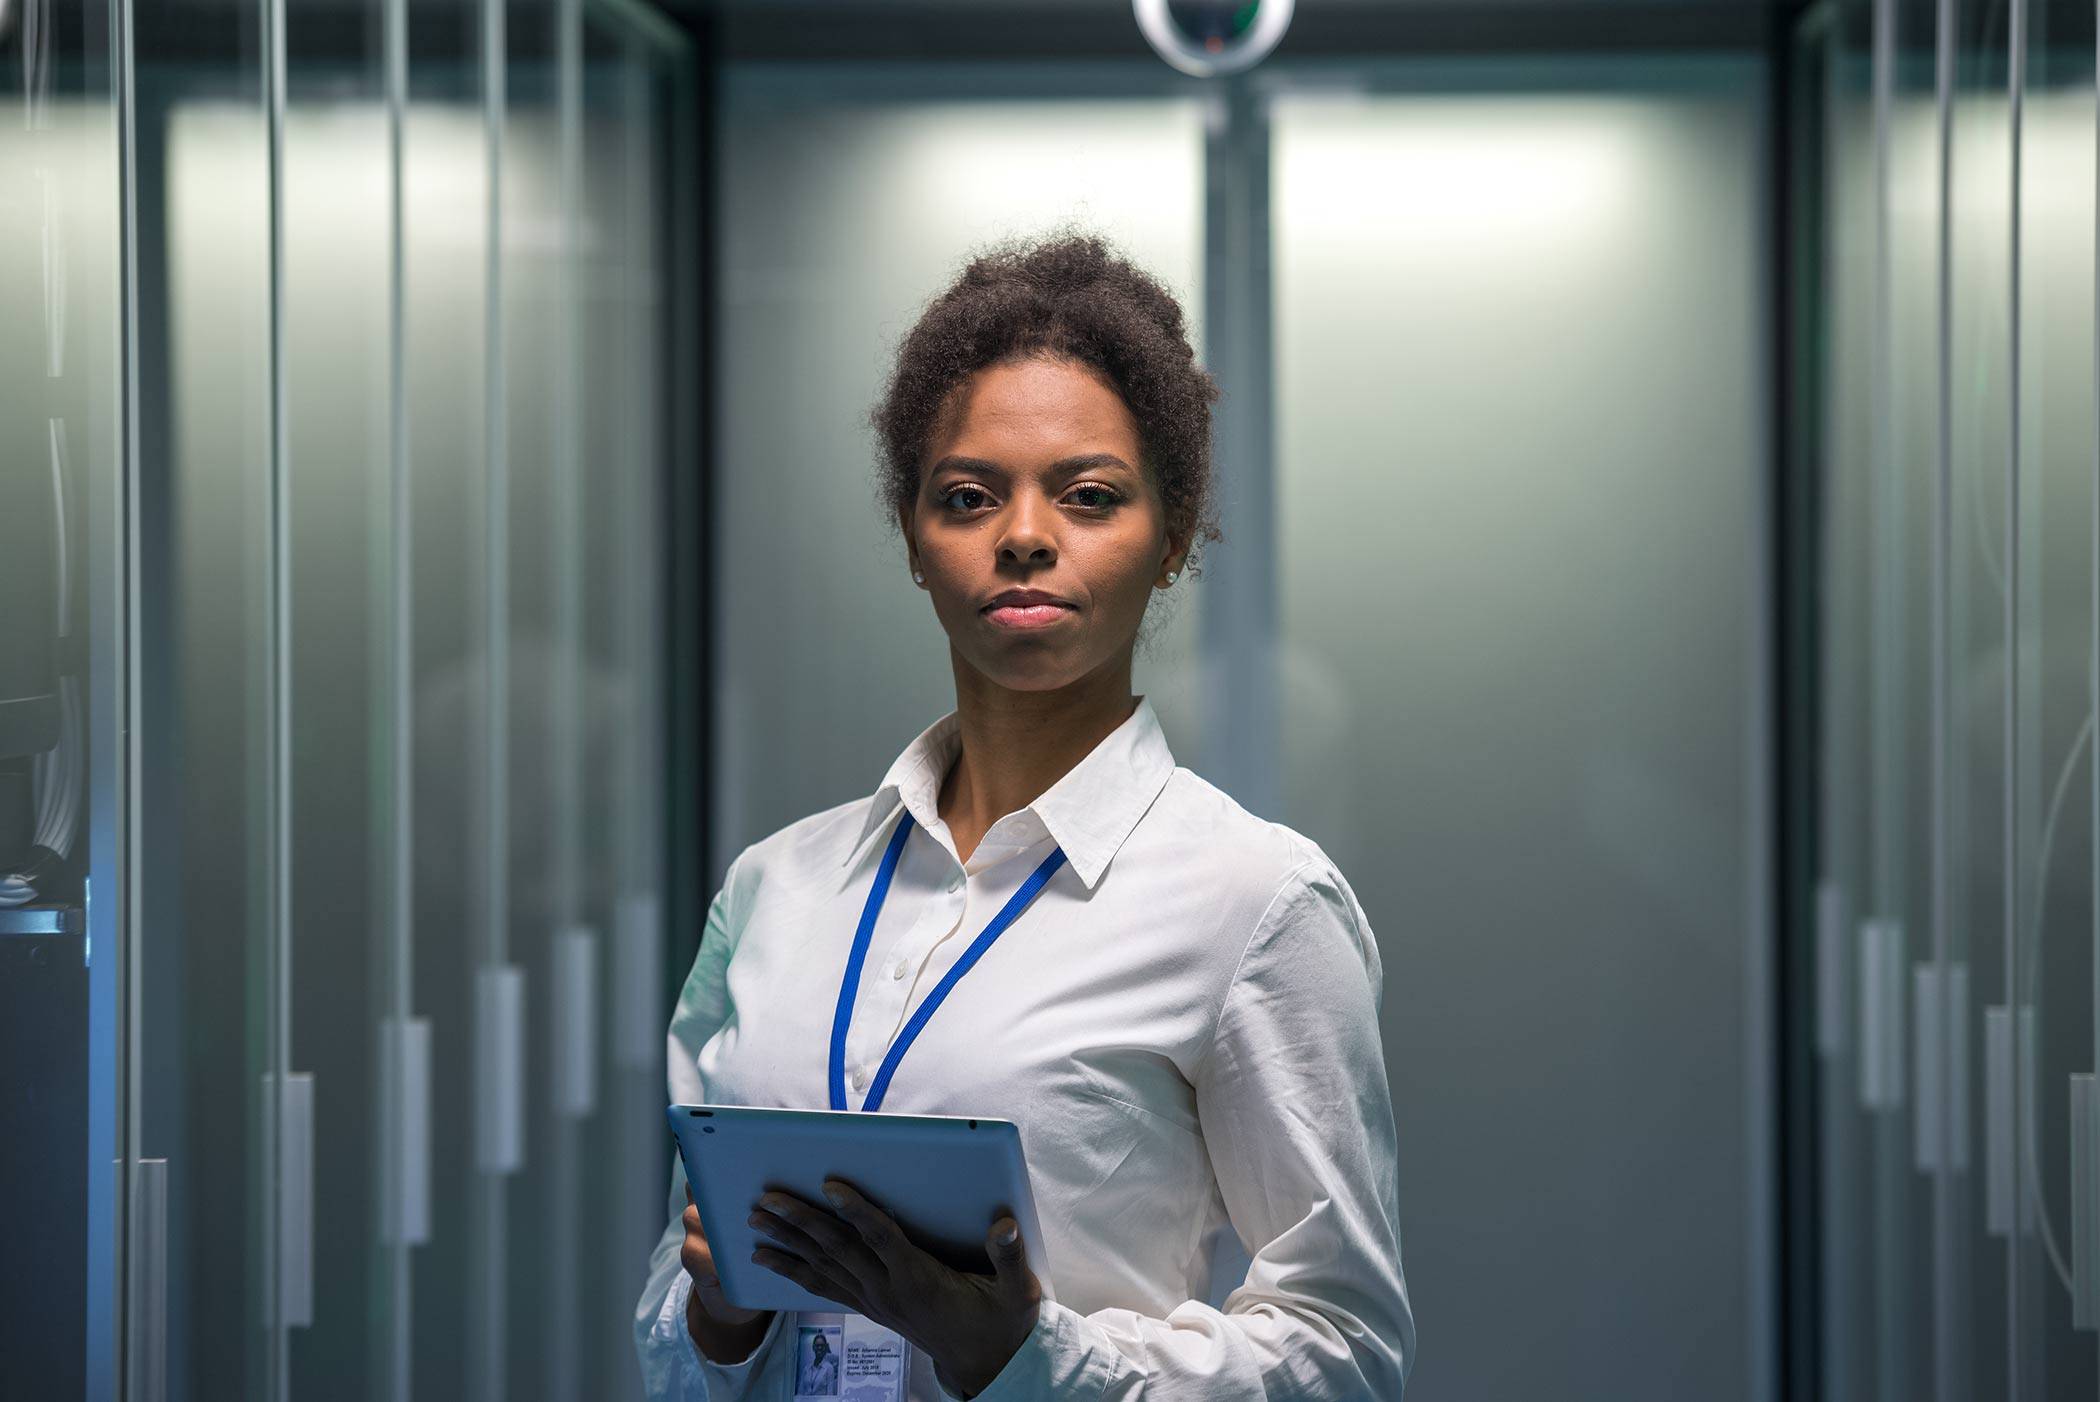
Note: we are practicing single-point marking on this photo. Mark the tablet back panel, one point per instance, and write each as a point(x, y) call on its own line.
point(944, 1178)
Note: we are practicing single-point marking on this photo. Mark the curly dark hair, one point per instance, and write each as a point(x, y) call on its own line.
point(1065, 295)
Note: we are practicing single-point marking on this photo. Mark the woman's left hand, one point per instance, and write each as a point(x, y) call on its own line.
point(969, 1324)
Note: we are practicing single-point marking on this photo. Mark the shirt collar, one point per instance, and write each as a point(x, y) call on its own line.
point(1089, 811)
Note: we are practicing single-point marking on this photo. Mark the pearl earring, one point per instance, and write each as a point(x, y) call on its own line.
point(1170, 575)
point(917, 578)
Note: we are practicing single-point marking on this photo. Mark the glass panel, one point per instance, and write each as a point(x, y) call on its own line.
point(1856, 1338)
point(1849, 1275)
point(447, 772)
point(538, 475)
point(63, 674)
point(1477, 521)
point(1888, 1168)
point(1921, 1171)
point(625, 364)
point(2004, 1015)
point(444, 338)
point(577, 370)
point(537, 583)
point(210, 994)
point(512, 995)
point(1981, 577)
point(2056, 463)
point(336, 477)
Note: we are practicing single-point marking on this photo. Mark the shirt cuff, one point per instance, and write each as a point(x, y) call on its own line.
point(707, 1377)
point(1053, 1361)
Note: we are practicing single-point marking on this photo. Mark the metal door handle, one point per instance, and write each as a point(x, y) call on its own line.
point(149, 1322)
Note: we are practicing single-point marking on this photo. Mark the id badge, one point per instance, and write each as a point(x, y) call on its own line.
point(848, 1357)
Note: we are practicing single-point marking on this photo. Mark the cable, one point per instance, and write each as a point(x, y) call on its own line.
point(61, 534)
point(58, 775)
point(2031, 1155)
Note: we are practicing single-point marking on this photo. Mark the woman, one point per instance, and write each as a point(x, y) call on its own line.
point(820, 1375)
point(1183, 1015)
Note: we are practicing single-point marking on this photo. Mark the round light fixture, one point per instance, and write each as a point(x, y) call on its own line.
point(1207, 38)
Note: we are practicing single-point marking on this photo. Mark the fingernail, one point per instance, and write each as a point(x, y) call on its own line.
point(1006, 1238)
point(838, 1199)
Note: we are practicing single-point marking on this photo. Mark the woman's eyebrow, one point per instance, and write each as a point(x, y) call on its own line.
point(1063, 467)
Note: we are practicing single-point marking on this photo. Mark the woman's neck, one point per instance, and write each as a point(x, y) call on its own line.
point(1016, 744)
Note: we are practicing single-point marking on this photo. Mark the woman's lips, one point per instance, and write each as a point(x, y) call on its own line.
point(1027, 615)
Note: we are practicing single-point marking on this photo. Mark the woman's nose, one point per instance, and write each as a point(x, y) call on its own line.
point(1028, 536)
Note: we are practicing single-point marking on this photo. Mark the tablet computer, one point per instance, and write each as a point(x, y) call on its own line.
point(944, 1178)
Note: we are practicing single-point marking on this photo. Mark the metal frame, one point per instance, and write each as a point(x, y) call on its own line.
point(945, 30)
point(1796, 526)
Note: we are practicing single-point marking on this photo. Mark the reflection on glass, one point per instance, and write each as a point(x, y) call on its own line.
point(1880, 455)
point(464, 821)
point(64, 660)
point(1542, 770)
point(1959, 238)
point(2052, 310)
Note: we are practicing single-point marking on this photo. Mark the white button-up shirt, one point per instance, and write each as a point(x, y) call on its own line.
point(1183, 1024)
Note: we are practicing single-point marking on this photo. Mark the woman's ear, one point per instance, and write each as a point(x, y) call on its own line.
point(1177, 554)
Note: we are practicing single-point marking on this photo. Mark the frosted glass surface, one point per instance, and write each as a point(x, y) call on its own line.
point(62, 674)
point(2054, 807)
point(594, 1212)
point(1521, 467)
point(847, 217)
point(1940, 1275)
point(1878, 518)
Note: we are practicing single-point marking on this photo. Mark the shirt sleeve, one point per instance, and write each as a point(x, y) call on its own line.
point(1297, 1114)
point(673, 1368)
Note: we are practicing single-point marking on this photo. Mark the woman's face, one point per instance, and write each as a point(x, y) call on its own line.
point(1033, 482)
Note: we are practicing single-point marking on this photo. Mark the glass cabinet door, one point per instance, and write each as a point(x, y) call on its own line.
point(406, 345)
point(1441, 453)
point(1883, 968)
point(1960, 543)
point(2047, 195)
point(69, 1157)
point(215, 1096)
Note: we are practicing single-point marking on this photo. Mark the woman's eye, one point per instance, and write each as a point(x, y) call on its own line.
point(1096, 498)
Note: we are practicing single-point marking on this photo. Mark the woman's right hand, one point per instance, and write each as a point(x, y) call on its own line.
point(721, 1322)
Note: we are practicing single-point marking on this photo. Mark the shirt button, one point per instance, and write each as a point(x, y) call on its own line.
point(860, 1078)
point(955, 882)
point(897, 969)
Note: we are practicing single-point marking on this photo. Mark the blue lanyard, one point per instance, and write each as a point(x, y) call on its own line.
point(880, 892)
